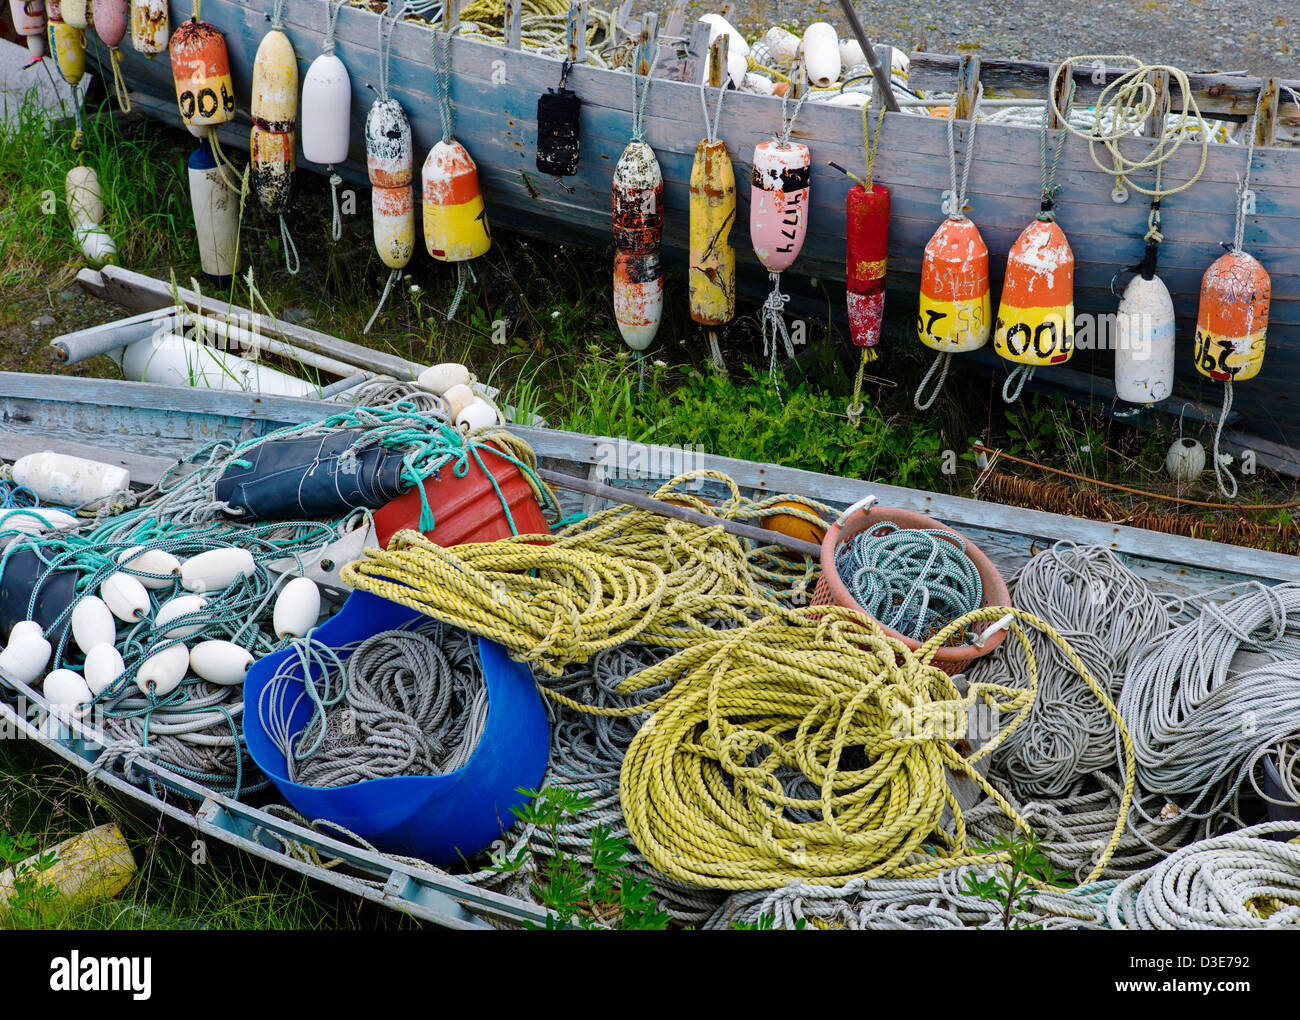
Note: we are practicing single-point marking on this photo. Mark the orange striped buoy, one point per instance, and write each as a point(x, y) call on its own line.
point(1035, 324)
point(1232, 318)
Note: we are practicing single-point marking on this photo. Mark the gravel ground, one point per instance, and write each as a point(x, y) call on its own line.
point(1225, 35)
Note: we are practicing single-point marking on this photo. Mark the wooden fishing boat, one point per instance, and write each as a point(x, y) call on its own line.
point(494, 90)
point(149, 427)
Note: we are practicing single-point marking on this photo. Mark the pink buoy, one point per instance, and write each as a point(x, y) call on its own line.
point(778, 205)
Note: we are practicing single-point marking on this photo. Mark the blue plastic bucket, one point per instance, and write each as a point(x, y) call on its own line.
point(440, 819)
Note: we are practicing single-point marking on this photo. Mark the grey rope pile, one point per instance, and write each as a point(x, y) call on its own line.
point(414, 704)
point(942, 901)
point(1107, 614)
point(1243, 879)
point(1205, 706)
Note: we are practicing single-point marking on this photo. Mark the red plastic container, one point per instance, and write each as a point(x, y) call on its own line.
point(466, 509)
point(831, 590)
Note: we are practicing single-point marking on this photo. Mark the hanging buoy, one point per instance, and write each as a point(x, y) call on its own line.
point(29, 22)
point(216, 569)
point(220, 662)
point(390, 161)
point(1144, 336)
point(69, 481)
point(216, 214)
point(455, 219)
point(111, 18)
point(820, 47)
point(67, 693)
point(162, 672)
point(201, 70)
point(297, 608)
point(125, 597)
point(75, 13)
point(150, 26)
point(712, 213)
point(559, 112)
point(174, 609)
point(867, 243)
point(272, 146)
point(1232, 319)
point(92, 623)
point(151, 561)
point(26, 655)
point(103, 667)
point(327, 115)
point(326, 111)
point(68, 47)
point(638, 219)
point(1035, 324)
point(779, 202)
point(955, 311)
point(1185, 460)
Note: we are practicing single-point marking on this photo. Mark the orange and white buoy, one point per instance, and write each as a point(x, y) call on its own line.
point(390, 160)
point(955, 311)
point(455, 219)
point(28, 17)
point(1035, 324)
point(272, 144)
point(201, 70)
point(150, 26)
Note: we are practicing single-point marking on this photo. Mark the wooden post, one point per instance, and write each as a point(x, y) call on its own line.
point(649, 33)
point(1155, 123)
point(451, 15)
point(673, 28)
point(1060, 86)
point(1266, 120)
point(576, 32)
point(698, 52)
point(968, 84)
point(514, 24)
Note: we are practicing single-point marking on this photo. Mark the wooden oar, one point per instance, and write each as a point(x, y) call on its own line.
point(883, 84)
point(681, 513)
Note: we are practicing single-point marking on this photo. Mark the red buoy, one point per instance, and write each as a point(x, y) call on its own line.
point(868, 246)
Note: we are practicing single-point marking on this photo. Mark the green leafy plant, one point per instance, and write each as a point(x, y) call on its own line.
point(1027, 865)
point(28, 902)
point(597, 893)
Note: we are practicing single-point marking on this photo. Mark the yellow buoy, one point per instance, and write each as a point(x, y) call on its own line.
point(712, 212)
point(68, 45)
point(272, 161)
point(76, 13)
point(455, 219)
point(394, 224)
point(275, 84)
point(93, 866)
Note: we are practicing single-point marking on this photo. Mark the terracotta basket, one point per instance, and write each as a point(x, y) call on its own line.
point(863, 515)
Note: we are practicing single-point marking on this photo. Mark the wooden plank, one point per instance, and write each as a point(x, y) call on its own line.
point(576, 32)
point(1191, 553)
point(513, 24)
point(968, 84)
point(1219, 96)
point(1266, 116)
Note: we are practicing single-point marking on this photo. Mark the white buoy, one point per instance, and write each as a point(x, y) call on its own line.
point(92, 623)
point(759, 83)
point(67, 693)
point(220, 662)
point(215, 206)
point(151, 561)
point(438, 379)
point(103, 667)
point(1185, 460)
point(35, 520)
point(297, 608)
point(175, 360)
point(86, 210)
point(174, 609)
point(821, 54)
point(1144, 342)
point(325, 116)
point(718, 25)
point(458, 398)
point(162, 672)
point(851, 54)
point(67, 480)
point(27, 654)
point(477, 415)
point(781, 44)
point(216, 569)
point(125, 597)
point(854, 99)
